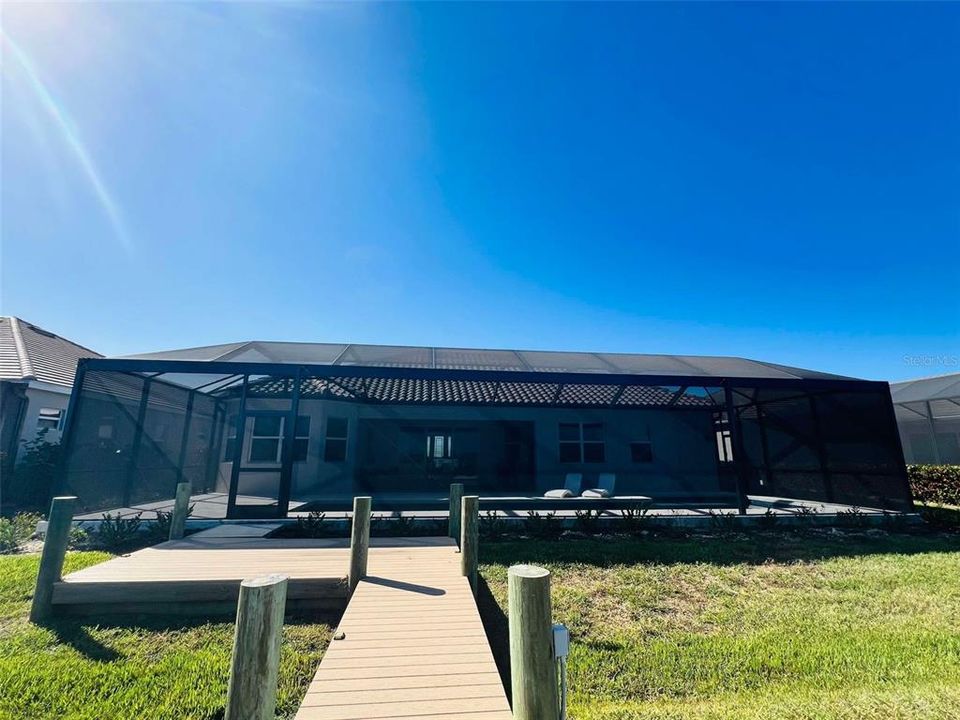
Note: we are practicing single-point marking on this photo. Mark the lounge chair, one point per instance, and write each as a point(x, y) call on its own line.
point(604, 489)
point(571, 487)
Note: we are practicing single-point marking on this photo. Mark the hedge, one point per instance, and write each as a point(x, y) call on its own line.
point(935, 483)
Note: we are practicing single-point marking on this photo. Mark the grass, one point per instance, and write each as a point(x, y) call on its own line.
point(812, 626)
point(139, 668)
point(801, 626)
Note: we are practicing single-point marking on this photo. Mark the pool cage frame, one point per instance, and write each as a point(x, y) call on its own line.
point(747, 401)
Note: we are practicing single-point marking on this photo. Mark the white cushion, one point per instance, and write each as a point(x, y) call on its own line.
point(595, 493)
point(564, 493)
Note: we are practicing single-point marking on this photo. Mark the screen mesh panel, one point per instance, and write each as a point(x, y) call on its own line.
point(829, 446)
point(134, 438)
point(135, 435)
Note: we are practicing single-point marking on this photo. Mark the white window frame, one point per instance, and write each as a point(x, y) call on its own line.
point(46, 415)
point(279, 438)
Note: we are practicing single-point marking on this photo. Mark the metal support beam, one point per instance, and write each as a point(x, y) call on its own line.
point(286, 450)
point(185, 439)
point(237, 450)
point(137, 441)
point(70, 428)
point(739, 456)
point(821, 450)
point(933, 433)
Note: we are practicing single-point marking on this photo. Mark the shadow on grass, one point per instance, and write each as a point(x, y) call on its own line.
point(74, 631)
point(75, 634)
point(498, 632)
point(719, 548)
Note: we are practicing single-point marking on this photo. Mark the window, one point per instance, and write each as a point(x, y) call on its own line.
point(105, 428)
point(724, 443)
point(582, 443)
point(50, 419)
point(335, 448)
point(641, 451)
point(439, 446)
point(266, 441)
point(229, 447)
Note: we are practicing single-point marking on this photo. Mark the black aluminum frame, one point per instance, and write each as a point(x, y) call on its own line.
point(298, 371)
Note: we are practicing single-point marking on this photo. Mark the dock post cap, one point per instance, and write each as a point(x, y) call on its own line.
point(264, 581)
point(528, 571)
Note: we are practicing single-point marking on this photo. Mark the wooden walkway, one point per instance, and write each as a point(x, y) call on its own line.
point(413, 646)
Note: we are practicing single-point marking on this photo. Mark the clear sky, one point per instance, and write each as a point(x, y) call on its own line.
point(764, 180)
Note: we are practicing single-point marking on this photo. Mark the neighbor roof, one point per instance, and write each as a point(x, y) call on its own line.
point(348, 355)
point(941, 387)
point(28, 352)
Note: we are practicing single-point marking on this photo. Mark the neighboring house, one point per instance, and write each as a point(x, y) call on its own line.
point(36, 377)
point(273, 426)
point(928, 416)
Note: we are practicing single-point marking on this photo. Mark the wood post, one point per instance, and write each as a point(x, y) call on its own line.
point(178, 520)
point(252, 692)
point(532, 665)
point(456, 495)
point(55, 544)
point(469, 538)
point(359, 541)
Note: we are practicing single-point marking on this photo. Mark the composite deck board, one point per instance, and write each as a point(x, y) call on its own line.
point(413, 647)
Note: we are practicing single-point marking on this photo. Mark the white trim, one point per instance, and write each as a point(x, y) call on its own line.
point(49, 387)
point(26, 367)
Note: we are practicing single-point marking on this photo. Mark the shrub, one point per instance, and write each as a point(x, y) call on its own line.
point(723, 521)
point(768, 521)
point(314, 525)
point(14, 531)
point(544, 526)
point(635, 518)
point(79, 538)
point(935, 483)
point(30, 484)
point(118, 532)
point(400, 526)
point(587, 521)
point(854, 517)
point(492, 526)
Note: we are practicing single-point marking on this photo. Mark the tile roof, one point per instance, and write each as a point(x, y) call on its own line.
point(411, 390)
point(28, 352)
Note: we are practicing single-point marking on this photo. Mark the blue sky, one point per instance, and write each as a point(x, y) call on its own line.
point(771, 181)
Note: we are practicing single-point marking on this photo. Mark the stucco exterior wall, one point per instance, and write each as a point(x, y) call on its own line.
point(683, 444)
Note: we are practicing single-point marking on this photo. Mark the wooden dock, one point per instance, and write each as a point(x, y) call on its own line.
point(413, 643)
point(413, 646)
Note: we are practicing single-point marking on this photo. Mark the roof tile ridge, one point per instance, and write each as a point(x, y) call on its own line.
point(26, 367)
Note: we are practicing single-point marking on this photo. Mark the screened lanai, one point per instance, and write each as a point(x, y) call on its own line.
point(928, 415)
point(264, 429)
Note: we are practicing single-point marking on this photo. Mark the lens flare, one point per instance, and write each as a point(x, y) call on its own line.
point(72, 138)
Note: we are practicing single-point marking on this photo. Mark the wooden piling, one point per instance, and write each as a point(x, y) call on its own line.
point(55, 544)
point(532, 665)
point(359, 541)
point(456, 495)
point(469, 538)
point(252, 692)
point(181, 506)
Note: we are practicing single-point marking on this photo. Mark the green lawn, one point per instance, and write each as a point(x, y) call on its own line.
point(759, 627)
point(142, 668)
point(762, 626)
